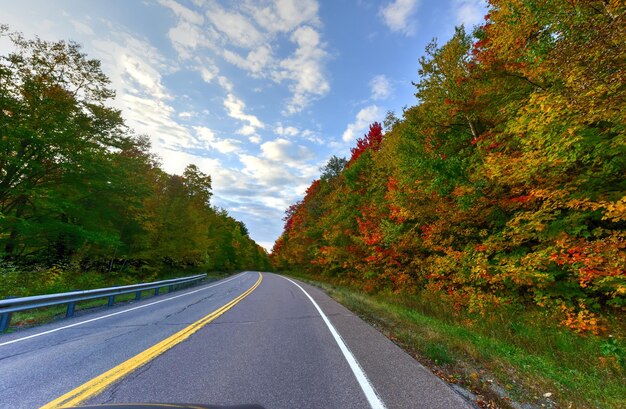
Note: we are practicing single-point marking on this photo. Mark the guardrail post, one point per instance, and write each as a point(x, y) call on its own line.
point(170, 289)
point(5, 320)
point(70, 309)
point(111, 300)
point(156, 291)
point(137, 295)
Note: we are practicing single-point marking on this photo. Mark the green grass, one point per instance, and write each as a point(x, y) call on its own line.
point(516, 349)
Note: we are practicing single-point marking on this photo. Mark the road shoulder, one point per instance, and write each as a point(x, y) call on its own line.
point(397, 377)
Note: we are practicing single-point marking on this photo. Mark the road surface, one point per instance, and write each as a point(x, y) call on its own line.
point(252, 338)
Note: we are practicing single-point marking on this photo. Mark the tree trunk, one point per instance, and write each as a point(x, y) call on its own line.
point(9, 247)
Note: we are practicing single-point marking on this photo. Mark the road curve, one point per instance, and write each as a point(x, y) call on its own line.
point(271, 346)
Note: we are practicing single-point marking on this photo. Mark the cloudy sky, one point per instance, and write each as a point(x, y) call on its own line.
point(257, 93)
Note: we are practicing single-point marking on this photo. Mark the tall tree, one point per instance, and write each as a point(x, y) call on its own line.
point(55, 126)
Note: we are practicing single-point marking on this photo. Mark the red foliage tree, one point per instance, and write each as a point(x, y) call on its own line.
point(372, 141)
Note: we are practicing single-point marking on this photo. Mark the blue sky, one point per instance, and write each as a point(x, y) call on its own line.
point(258, 94)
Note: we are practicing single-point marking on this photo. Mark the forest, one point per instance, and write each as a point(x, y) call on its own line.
point(83, 201)
point(502, 187)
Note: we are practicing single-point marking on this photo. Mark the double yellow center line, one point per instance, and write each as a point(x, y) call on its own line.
point(100, 383)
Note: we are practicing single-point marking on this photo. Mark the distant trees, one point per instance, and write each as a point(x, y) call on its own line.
point(504, 185)
point(76, 184)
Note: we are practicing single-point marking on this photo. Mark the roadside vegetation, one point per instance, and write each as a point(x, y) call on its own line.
point(83, 201)
point(487, 222)
point(512, 357)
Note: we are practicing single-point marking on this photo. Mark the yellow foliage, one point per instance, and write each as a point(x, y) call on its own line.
point(582, 320)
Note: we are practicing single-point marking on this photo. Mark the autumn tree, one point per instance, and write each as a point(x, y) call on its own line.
point(504, 184)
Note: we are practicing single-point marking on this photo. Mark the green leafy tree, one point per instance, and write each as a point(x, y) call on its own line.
point(57, 136)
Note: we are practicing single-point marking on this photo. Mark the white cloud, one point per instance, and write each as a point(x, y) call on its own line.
point(267, 171)
point(311, 136)
point(286, 152)
point(184, 37)
point(136, 69)
point(175, 161)
point(363, 119)
point(208, 71)
point(134, 65)
point(381, 87)
point(205, 133)
point(82, 28)
point(247, 130)
point(267, 245)
point(183, 12)
point(283, 170)
point(285, 15)
point(286, 130)
point(225, 83)
point(305, 69)
point(224, 146)
point(154, 118)
point(255, 62)
point(399, 16)
point(189, 34)
point(145, 103)
point(282, 180)
point(291, 131)
point(469, 12)
point(234, 108)
point(235, 27)
point(227, 145)
point(276, 202)
point(247, 35)
point(144, 75)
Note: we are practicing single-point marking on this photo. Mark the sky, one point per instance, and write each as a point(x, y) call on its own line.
point(258, 94)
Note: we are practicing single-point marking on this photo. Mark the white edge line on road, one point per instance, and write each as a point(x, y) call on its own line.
point(115, 313)
point(367, 387)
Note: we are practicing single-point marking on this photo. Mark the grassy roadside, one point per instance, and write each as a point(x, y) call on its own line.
point(29, 318)
point(507, 360)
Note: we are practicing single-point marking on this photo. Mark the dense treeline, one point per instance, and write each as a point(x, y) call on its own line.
point(81, 195)
point(504, 186)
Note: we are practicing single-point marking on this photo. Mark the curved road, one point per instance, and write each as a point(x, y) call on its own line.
point(272, 345)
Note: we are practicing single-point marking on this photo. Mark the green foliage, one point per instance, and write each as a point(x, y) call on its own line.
point(504, 185)
point(81, 196)
point(333, 168)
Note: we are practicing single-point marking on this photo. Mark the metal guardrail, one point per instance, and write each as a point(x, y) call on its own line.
point(10, 305)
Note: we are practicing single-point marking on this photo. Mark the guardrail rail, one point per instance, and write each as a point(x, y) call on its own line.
point(10, 305)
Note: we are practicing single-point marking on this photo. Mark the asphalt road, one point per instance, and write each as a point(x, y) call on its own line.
point(272, 347)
